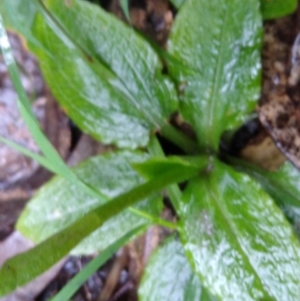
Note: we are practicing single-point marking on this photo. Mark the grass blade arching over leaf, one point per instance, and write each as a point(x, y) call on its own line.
point(40, 258)
point(59, 203)
point(218, 44)
point(237, 239)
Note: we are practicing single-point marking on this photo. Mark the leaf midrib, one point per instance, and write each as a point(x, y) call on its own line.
point(216, 81)
point(82, 52)
point(234, 234)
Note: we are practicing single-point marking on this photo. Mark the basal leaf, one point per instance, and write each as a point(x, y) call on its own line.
point(155, 166)
point(135, 97)
point(107, 78)
point(41, 257)
point(59, 203)
point(272, 9)
point(177, 3)
point(237, 239)
point(283, 186)
point(127, 54)
point(218, 46)
point(169, 277)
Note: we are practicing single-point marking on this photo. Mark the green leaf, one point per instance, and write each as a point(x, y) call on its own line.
point(125, 8)
point(218, 44)
point(59, 203)
point(41, 257)
point(237, 239)
point(116, 96)
point(272, 9)
point(177, 3)
point(156, 165)
point(18, 15)
point(52, 159)
point(283, 186)
point(147, 97)
point(169, 277)
point(74, 284)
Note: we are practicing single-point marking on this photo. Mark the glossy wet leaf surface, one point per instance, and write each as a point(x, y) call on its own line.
point(272, 9)
point(156, 165)
point(217, 46)
point(284, 187)
point(40, 258)
point(169, 277)
point(114, 91)
point(237, 239)
point(59, 203)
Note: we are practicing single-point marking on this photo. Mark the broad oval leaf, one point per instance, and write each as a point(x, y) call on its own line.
point(218, 46)
point(19, 16)
point(272, 9)
point(37, 260)
point(283, 186)
point(59, 203)
point(108, 79)
point(237, 239)
point(169, 277)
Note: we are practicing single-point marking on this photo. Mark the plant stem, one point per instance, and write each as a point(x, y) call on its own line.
point(179, 139)
point(37, 260)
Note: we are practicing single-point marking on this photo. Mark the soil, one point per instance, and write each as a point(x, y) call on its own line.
point(20, 177)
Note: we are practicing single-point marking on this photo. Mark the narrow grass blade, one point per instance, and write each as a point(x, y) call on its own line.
point(51, 154)
point(125, 8)
point(154, 219)
point(68, 291)
point(39, 259)
point(40, 159)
